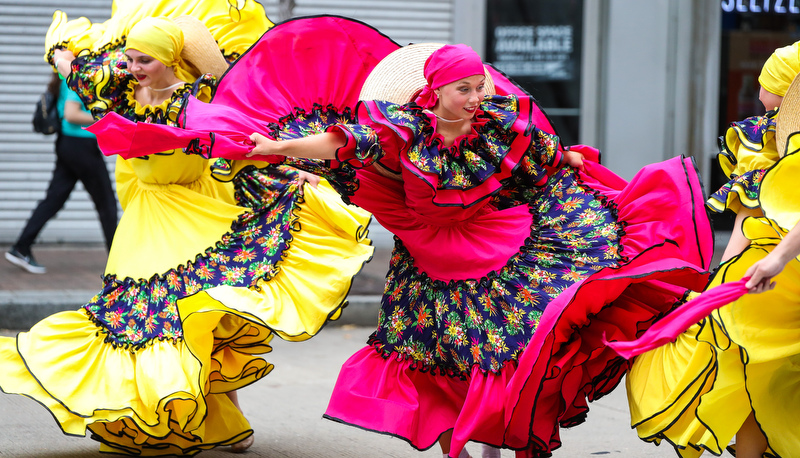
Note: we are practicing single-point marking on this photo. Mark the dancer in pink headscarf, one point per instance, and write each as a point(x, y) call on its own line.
point(513, 255)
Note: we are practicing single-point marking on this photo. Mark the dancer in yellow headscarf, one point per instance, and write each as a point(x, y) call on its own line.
point(735, 372)
point(161, 39)
point(202, 273)
point(778, 73)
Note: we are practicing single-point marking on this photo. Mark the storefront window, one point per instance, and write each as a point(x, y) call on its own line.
point(538, 44)
point(751, 31)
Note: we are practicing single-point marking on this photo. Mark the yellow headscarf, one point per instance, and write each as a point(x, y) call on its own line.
point(780, 69)
point(161, 39)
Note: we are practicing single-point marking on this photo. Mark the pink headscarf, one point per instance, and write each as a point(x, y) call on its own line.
point(447, 64)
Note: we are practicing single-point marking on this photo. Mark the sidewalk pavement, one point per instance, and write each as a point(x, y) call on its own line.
point(285, 411)
point(75, 274)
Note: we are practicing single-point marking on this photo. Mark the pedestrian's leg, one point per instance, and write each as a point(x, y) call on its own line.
point(90, 167)
point(58, 191)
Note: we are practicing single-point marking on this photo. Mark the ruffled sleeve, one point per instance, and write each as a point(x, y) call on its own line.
point(363, 145)
point(503, 149)
point(100, 80)
point(545, 149)
point(747, 150)
point(779, 195)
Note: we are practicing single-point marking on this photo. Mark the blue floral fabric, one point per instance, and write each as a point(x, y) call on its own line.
point(133, 313)
point(451, 327)
point(747, 183)
point(756, 136)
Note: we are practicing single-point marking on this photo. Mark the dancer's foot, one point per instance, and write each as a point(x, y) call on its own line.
point(487, 451)
point(243, 445)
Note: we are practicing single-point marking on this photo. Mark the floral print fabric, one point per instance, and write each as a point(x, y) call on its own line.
point(473, 159)
point(451, 327)
point(132, 313)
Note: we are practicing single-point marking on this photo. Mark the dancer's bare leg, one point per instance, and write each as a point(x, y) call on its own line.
point(750, 441)
point(444, 443)
point(245, 443)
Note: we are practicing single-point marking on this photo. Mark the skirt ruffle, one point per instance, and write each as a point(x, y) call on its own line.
point(696, 392)
point(747, 150)
point(234, 26)
point(394, 397)
point(164, 399)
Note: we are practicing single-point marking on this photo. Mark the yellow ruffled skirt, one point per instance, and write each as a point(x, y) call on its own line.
point(188, 309)
point(744, 358)
point(235, 25)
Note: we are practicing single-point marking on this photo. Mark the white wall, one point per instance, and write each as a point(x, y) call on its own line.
point(649, 89)
point(636, 85)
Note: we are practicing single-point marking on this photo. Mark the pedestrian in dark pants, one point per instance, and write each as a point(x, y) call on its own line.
point(77, 158)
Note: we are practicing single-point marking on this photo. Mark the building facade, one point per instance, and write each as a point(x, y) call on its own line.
point(643, 81)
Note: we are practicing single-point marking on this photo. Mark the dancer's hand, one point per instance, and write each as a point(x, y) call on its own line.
point(762, 272)
point(575, 159)
point(306, 177)
point(263, 146)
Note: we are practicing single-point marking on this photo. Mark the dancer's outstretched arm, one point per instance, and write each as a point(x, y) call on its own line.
point(319, 146)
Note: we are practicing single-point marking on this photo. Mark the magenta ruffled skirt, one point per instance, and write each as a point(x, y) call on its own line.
point(667, 248)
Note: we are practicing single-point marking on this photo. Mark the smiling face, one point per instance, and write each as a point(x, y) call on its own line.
point(149, 71)
point(460, 99)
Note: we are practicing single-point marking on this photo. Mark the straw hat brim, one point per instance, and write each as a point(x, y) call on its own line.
point(200, 50)
point(788, 119)
point(399, 77)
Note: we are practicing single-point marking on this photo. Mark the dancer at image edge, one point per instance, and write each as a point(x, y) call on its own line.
point(733, 375)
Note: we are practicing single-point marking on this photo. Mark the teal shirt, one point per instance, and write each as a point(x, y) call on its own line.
point(68, 128)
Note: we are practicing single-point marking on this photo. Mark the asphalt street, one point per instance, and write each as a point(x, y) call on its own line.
point(285, 409)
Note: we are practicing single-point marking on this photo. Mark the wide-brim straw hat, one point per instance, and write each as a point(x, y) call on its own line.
point(788, 120)
point(399, 77)
point(200, 50)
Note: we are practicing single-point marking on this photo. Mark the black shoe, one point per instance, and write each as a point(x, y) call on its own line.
point(24, 262)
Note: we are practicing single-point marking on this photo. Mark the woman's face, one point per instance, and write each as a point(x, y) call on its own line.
point(147, 70)
point(770, 100)
point(460, 99)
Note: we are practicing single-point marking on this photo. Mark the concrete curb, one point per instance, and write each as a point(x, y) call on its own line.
point(22, 309)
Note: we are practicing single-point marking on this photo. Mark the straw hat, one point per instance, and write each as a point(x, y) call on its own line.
point(788, 120)
point(399, 77)
point(200, 50)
